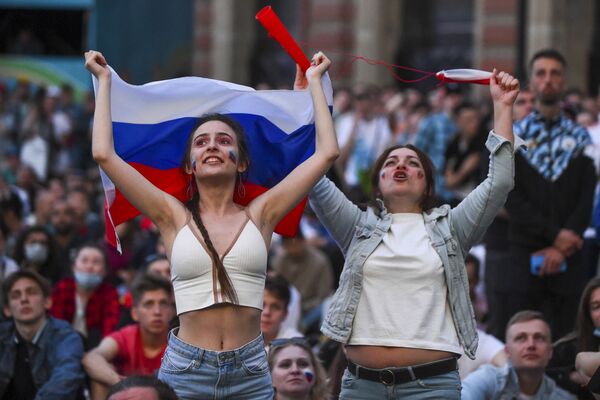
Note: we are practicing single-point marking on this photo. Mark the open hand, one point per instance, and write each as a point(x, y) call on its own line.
point(96, 64)
point(504, 88)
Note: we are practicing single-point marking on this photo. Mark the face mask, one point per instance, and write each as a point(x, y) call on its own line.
point(597, 332)
point(88, 281)
point(36, 253)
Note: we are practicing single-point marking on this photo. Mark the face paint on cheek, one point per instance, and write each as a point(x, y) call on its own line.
point(309, 375)
point(194, 166)
point(232, 156)
point(420, 175)
point(382, 174)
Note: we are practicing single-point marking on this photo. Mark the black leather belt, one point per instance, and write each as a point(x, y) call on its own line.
point(392, 376)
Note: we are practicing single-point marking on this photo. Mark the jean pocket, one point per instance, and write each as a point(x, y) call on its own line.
point(175, 363)
point(256, 364)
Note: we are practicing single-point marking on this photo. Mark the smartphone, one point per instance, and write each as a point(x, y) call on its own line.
point(536, 264)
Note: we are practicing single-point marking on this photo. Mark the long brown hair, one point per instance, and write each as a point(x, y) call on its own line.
point(193, 204)
point(428, 200)
point(584, 326)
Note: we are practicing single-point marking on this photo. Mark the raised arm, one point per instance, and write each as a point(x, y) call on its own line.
point(476, 212)
point(151, 201)
point(278, 201)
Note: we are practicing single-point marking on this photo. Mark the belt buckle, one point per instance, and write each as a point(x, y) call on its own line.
point(387, 377)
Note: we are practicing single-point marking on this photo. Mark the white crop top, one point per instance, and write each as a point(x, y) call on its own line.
point(195, 283)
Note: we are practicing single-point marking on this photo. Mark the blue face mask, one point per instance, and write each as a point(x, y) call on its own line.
point(597, 332)
point(88, 281)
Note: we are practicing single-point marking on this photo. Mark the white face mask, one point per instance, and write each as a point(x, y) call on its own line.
point(36, 253)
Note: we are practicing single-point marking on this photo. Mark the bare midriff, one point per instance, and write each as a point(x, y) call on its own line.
point(389, 357)
point(221, 327)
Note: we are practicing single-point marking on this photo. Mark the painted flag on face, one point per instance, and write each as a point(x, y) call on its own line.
point(151, 124)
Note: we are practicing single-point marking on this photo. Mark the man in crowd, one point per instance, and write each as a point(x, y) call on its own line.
point(40, 357)
point(137, 348)
point(549, 208)
point(529, 349)
point(276, 299)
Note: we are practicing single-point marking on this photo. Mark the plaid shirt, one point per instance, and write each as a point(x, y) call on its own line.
point(102, 310)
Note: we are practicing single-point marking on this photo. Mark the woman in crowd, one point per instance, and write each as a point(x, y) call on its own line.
point(586, 337)
point(36, 249)
point(218, 350)
point(402, 308)
point(297, 374)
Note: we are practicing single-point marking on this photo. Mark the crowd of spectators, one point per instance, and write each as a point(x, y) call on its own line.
point(55, 265)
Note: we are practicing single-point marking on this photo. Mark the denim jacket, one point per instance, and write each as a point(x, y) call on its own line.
point(452, 233)
point(492, 383)
point(55, 363)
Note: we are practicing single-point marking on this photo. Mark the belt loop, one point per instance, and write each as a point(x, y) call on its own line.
point(200, 356)
point(357, 370)
point(411, 373)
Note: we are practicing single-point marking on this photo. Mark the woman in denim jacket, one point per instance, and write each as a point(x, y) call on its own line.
point(402, 308)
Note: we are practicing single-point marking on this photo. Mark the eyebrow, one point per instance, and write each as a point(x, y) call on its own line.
point(207, 133)
point(409, 156)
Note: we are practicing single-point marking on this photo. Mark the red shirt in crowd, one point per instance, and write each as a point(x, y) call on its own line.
point(130, 359)
point(102, 310)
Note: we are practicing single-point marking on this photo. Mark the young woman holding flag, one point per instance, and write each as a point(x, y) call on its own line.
point(217, 351)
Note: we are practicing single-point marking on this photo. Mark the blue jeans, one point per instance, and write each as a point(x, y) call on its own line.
point(445, 386)
point(195, 373)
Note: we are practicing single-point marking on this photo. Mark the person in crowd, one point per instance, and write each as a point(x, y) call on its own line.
point(11, 214)
point(85, 300)
point(436, 130)
point(297, 373)
point(549, 208)
point(62, 224)
point(362, 135)
point(7, 264)
point(87, 222)
point(159, 265)
point(529, 349)
point(44, 199)
point(141, 387)
point(524, 104)
point(585, 338)
point(489, 349)
point(40, 357)
point(308, 270)
point(275, 309)
point(402, 244)
point(138, 348)
point(219, 311)
point(463, 154)
point(36, 249)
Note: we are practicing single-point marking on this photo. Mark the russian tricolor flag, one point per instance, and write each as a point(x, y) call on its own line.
point(151, 123)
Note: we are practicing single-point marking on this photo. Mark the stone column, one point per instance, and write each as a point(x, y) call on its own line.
point(566, 27)
point(377, 27)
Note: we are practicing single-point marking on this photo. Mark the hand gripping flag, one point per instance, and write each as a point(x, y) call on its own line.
point(151, 124)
